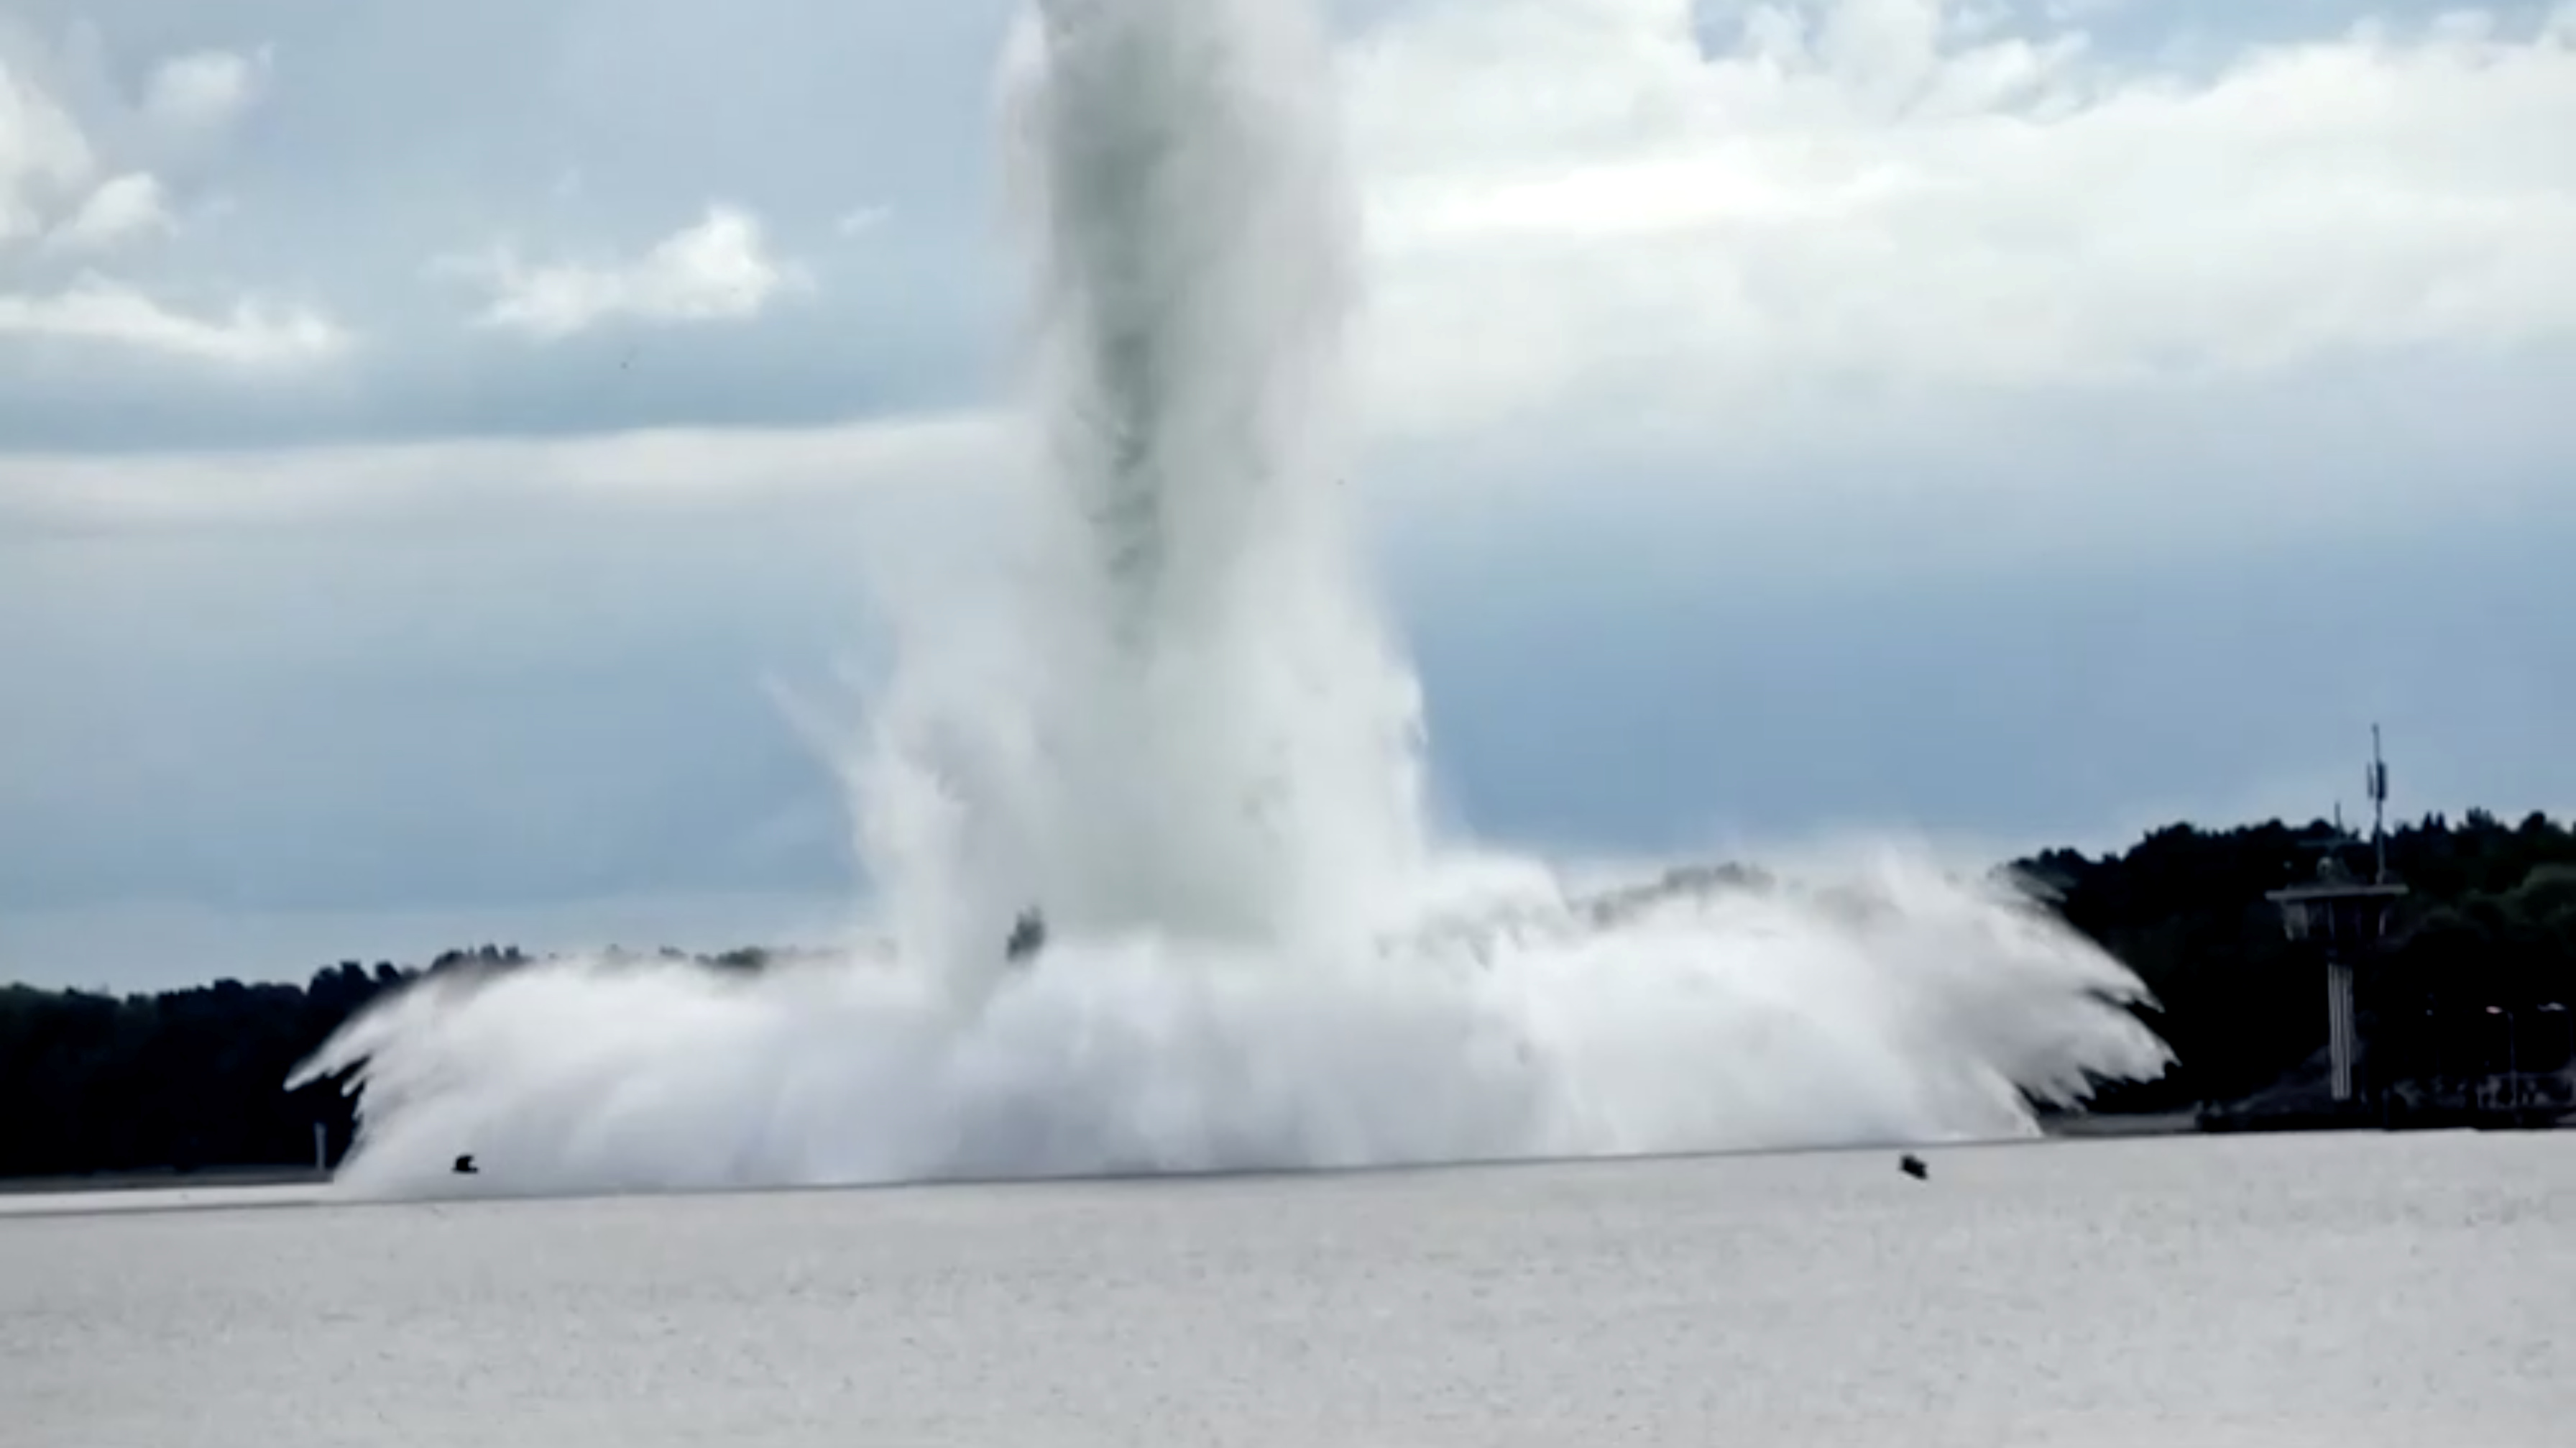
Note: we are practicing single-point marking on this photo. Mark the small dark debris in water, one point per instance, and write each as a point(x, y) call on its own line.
point(1913, 1166)
point(465, 1165)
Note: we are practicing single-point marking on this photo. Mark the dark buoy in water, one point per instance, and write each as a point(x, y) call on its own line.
point(1913, 1166)
point(1028, 937)
point(465, 1165)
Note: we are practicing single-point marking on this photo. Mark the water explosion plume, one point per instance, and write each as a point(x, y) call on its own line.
point(1177, 722)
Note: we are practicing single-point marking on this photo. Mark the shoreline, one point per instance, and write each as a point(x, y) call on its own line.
point(2079, 1127)
point(165, 1179)
point(2069, 1128)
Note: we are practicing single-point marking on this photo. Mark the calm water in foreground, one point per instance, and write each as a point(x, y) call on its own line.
point(2345, 1290)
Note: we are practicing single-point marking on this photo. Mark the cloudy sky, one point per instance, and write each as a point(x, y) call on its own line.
point(427, 431)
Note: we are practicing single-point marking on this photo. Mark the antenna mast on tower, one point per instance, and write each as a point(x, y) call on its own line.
point(2378, 782)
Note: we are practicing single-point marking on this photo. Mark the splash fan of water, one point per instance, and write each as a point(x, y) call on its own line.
point(1178, 722)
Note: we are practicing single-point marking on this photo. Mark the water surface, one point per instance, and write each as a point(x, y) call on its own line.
point(2348, 1290)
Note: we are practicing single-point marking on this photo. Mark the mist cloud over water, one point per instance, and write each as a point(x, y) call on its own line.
point(1166, 709)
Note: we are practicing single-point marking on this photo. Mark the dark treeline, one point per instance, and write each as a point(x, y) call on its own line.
point(195, 1078)
point(2489, 921)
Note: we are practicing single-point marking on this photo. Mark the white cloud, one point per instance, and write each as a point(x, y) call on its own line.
point(367, 484)
point(1587, 223)
point(718, 270)
point(120, 209)
point(43, 155)
point(96, 309)
point(1574, 204)
point(57, 190)
point(205, 91)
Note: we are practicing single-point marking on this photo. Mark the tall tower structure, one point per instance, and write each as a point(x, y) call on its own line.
point(2346, 921)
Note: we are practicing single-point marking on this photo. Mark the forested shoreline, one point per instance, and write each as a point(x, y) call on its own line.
point(194, 1079)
